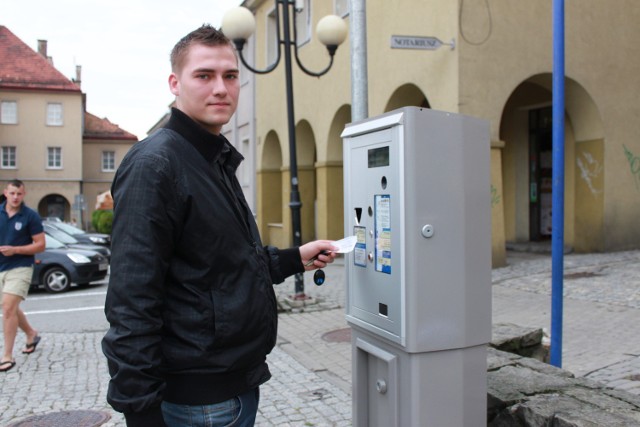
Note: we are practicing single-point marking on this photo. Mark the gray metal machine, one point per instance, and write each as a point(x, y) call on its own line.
point(417, 196)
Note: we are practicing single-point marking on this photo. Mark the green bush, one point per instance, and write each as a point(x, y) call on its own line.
point(95, 217)
point(103, 221)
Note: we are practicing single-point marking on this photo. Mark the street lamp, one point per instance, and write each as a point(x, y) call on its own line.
point(239, 24)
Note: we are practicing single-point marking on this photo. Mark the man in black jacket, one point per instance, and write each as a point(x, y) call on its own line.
point(190, 300)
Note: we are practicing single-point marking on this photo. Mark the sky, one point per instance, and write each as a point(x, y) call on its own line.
point(123, 47)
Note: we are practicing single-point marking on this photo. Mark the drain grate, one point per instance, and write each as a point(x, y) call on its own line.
point(339, 335)
point(580, 275)
point(65, 419)
point(318, 394)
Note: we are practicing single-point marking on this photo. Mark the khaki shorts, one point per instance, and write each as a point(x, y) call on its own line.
point(16, 281)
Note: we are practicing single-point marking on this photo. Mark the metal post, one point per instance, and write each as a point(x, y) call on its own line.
point(294, 202)
point(359, 74)
point(557, 237)
point(290, 43)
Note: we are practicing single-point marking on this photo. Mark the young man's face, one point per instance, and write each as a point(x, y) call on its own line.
point(14, 195)
point(207, 85)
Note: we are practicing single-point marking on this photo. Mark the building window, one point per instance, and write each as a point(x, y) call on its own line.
point(54, 157)
point(108, 161)
point(303, 21)
point(8, 160)
point(246, 169)
point(342, 7)
point(272, 38)
point(247, 54)
point(303, 28)
point(54, 114)
point(9, 112)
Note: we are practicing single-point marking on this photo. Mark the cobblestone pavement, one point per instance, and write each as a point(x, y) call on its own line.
point(601, 310)
point(311, 364)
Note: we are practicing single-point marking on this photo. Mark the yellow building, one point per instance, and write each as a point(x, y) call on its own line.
point(494, 62)
point(104, 145)
point(63, 154)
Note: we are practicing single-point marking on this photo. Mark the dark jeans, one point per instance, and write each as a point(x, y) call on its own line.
point(239, 411)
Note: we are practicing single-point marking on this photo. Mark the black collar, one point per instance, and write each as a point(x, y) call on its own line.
point(211, 146)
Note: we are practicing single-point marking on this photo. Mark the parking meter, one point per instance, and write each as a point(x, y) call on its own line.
point(417, 197)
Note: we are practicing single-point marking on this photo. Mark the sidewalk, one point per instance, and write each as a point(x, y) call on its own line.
point(600, 332)
point(311, 364)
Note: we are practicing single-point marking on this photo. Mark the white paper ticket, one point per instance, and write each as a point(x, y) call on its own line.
point(345, 245)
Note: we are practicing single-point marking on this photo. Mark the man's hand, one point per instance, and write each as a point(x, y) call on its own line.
point(8, 250)
point(37, 246)
point(317, 254)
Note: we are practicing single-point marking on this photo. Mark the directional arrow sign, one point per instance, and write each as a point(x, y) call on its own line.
point(412, 42)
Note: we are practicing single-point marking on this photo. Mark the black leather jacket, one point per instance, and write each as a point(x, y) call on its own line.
point(190, 301)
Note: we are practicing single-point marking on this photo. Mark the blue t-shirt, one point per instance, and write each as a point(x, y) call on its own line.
point(18, 231)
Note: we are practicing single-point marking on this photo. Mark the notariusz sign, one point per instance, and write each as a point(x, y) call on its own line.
point(424, 43)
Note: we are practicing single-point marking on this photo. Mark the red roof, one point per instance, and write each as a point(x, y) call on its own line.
point(23, 68)
point(97, 128)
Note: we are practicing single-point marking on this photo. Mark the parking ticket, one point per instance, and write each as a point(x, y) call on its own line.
point(345, 245)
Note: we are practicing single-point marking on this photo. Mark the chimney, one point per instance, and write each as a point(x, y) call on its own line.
point(78, 79)
point(42, 47)
point(42, 50)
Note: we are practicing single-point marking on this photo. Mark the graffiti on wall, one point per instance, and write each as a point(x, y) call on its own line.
point(590, 169)
point(495, 197)
point(634, 165)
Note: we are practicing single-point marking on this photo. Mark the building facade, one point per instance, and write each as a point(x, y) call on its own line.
point(494, 62)
point(64, 154)
point(104, 145)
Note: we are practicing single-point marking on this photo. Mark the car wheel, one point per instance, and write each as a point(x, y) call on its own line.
point(56, 280)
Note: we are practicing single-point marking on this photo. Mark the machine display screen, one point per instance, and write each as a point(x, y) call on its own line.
point(378, 157)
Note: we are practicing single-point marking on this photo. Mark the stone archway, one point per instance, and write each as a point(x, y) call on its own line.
point(526, 169)
point(330, 187)
point(407, 95)
point(306, 158)
point(269, 192)
point(54, 205)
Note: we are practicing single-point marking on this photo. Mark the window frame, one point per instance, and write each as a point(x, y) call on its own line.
point(245, 73)
point(246, 171)
point(53, 166)
point(5, 160)
point(13, 114)
point(342, 7)
point(271, 37)
point(303, 23)
point(105, 159)
point(54, 118)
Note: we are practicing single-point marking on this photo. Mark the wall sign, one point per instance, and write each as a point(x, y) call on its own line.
point(415, 42)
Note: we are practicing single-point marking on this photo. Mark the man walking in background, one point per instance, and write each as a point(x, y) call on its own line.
point(21, 237)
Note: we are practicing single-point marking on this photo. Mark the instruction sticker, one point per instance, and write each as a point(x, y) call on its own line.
point(360, 251)
point(382, 218)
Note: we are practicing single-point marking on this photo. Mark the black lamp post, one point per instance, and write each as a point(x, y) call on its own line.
point(239, 24)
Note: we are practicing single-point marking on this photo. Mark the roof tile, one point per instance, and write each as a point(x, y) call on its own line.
point(97, 128)
point(23, 68)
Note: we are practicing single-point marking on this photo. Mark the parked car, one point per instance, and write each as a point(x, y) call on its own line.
point(51, 218)
point(80, 234)
point(72, 242)
point(59, 266)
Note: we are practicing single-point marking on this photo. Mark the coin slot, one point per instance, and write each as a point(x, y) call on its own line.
point(358, 215)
